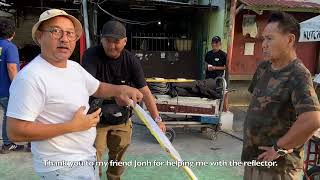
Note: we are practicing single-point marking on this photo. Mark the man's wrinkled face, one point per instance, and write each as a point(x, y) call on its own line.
point(56, 38)
point(113, 47)
point(276, 44)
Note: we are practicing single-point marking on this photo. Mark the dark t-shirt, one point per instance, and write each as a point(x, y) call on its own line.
point(124, 70)
point(278, 98)
point(218, 58)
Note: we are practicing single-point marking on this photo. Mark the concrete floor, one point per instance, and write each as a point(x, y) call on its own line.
point(192, 145)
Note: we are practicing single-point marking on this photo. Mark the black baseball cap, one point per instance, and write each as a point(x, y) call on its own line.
point(216, 39)
point(114, 29)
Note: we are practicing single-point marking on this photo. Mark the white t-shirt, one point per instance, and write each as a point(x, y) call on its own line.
point(47, 94)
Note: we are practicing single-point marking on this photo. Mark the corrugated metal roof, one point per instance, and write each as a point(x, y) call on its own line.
point(310, 4)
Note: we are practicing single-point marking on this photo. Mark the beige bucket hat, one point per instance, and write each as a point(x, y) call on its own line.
point(48, 14)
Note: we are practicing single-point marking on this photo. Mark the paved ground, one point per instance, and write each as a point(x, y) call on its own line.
point(192, 145)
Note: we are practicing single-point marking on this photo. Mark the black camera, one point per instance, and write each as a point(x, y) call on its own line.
point(95, 105)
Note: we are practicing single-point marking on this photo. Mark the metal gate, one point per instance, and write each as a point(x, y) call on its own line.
point(166, 55)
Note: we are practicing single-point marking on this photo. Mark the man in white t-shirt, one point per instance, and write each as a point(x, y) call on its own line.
point(49, 101)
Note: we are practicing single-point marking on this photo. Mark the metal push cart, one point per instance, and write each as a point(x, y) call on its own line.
point(312, 159)
point(190, 112)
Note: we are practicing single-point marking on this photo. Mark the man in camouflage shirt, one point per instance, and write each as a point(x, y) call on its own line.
point(284, 109)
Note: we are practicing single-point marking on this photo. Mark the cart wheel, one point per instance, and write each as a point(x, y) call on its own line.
point(204, 129)
point(313, 173)
point(171, 134)
point(212, 134)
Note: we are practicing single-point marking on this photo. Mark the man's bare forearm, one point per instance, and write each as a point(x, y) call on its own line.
point(22, 131)
point(302, 130)
point(106, 90)
point(12, 70)
point(125, 95)
point(219, 67)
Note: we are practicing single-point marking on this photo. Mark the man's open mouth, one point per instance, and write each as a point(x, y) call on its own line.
point(61, 47)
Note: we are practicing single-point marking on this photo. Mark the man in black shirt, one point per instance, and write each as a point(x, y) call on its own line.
point(111, 63)
point(216, 59)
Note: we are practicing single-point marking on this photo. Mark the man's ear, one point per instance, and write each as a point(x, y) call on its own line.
point(291, 40)
point(38, 36)
point(125, 41)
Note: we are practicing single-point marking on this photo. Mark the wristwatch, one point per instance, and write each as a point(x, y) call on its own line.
point(158, 119)
point(280, 151)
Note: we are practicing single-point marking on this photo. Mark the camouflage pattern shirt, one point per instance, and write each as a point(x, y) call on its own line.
point(278, 98)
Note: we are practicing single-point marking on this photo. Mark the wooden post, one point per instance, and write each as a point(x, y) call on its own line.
point(233, 14)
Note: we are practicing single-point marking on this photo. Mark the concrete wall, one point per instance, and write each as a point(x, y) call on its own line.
point(200, 31)
point(216, 21)
point(23, 30)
